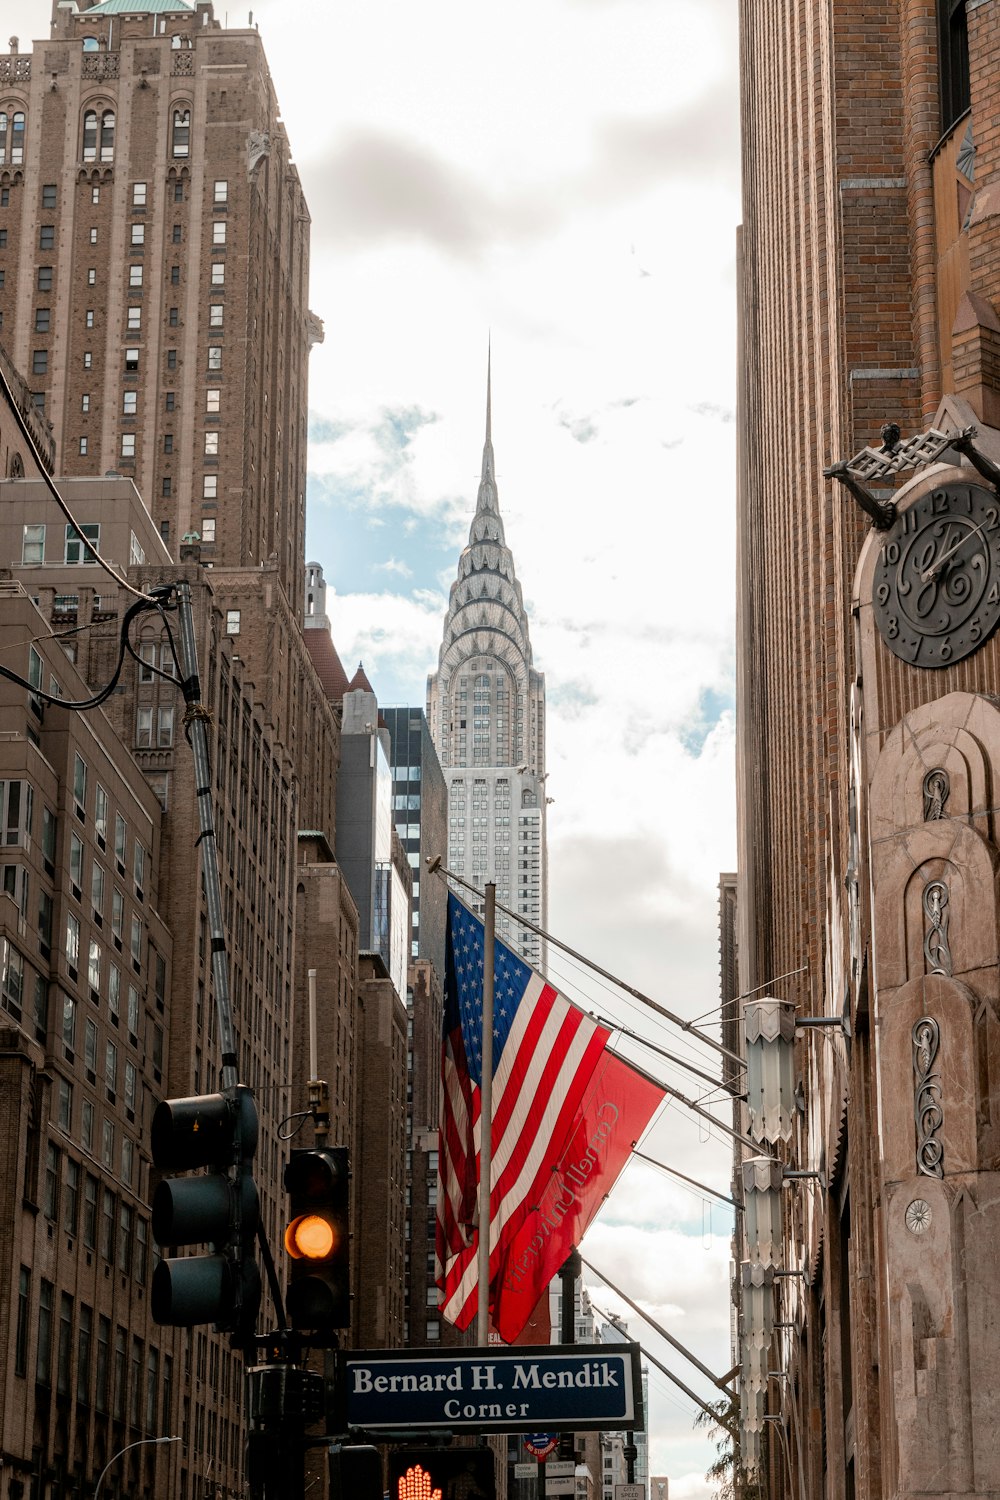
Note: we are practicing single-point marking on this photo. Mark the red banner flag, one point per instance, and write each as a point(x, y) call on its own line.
point(618, 1107)
point(566, 1114)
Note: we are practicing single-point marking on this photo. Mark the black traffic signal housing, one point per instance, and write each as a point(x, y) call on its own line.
point(219, 1208)
point(318, 1241)
point(442, 1474)
point(355, 1472)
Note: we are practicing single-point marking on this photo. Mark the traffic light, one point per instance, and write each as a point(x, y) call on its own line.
point(355, 1472)
point(442, 1474)
point(318, 1240)
point(219, 1208)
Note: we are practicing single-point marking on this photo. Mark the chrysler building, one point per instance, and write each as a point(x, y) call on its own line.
point(486, 708)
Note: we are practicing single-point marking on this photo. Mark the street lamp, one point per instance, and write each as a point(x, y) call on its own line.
point(127, 1449)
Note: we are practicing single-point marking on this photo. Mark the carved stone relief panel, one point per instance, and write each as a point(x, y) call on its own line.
point(938, 763)
point(930, 914)
point(927, 1049)
point(929, 1333)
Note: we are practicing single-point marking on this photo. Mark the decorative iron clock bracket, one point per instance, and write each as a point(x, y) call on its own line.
point(881, 512)
point(963, 443)
point(895, 455)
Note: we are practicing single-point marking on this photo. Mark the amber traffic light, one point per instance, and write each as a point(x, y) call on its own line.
point(318, 1240)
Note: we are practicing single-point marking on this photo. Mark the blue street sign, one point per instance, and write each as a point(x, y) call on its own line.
point(541, 1444)
point(579, 1388)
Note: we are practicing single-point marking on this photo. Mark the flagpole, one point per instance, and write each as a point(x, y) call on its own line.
point(486, 1117)
point(435, 867)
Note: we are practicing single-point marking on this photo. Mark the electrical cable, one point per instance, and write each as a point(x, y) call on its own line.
point(49, 483)
point(143, 604)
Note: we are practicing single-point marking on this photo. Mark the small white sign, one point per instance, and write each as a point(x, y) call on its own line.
point(629, 1492)
point(525, 1471)
point(560, 1486)
point(560, 1468)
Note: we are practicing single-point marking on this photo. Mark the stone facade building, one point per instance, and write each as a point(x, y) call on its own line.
point(868, 730)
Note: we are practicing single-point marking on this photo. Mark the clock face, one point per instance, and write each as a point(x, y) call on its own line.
point(936, 586)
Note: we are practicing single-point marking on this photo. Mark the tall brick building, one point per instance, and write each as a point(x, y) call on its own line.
point(868, 743)
point(155, 264)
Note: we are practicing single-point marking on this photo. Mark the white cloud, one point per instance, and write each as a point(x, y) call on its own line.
point(394, 565)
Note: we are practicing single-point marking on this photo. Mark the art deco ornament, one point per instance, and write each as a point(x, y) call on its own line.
point(750, 1452)
point(756, 1304)
point(752, 1407)
point(769, 1034)
point(762, 1177)
point(753, 1367)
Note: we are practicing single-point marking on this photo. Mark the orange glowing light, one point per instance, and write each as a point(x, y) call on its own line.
point(417, 1484)
point(310, 1237)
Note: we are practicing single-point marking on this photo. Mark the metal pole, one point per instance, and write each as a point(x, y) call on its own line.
point(486, 1118)
point(692, 1181)
point(568, 1272)
point(675, 1343)
point(196, 726)
point(313, 1066)
point(435, 865)
point(116, 1456)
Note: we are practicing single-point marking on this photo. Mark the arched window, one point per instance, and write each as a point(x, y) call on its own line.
point(17, 138)
point(953, 51)
point(181, 136)
point(108, 135)
point(12, 136)
point(90, 135)
point(91, 44)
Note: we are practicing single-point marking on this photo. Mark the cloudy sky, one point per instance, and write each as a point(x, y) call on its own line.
point(559, 176)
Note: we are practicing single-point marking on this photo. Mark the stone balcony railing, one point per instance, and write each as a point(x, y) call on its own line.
point(15, 68)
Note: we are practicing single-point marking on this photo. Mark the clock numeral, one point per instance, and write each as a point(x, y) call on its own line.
point(992, 518)
point(993, 597)
point(975, 630)
point(946, 652)
point(891, 554)
point(882, 593)
point(909, 519)
point(939, 503)
point(892, 627)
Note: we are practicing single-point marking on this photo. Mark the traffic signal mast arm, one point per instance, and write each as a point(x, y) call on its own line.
point(219, 1208)
point(196, 729)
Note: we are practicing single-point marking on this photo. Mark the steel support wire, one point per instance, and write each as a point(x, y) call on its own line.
point(717, 1380)
point(435, 867)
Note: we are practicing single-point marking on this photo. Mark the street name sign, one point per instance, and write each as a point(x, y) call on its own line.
point(525, 1471)
point(568, 1388)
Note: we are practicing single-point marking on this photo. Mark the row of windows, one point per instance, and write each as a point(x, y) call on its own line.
point(114, 1377)
point(73, 552)
point(98, 142)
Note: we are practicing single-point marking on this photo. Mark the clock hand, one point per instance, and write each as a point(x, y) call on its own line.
point(933, 572)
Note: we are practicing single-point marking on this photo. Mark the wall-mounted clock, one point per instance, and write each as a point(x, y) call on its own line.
point(936, 585)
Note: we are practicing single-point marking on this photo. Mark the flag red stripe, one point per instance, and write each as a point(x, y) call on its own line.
point(511, 1201)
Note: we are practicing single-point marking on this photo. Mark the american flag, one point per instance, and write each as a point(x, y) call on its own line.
point(545, 1053)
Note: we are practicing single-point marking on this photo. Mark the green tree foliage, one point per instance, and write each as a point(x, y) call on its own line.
point(725, 1471)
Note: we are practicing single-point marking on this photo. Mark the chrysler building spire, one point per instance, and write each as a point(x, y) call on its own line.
point(486, 709)
point(487, 497)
